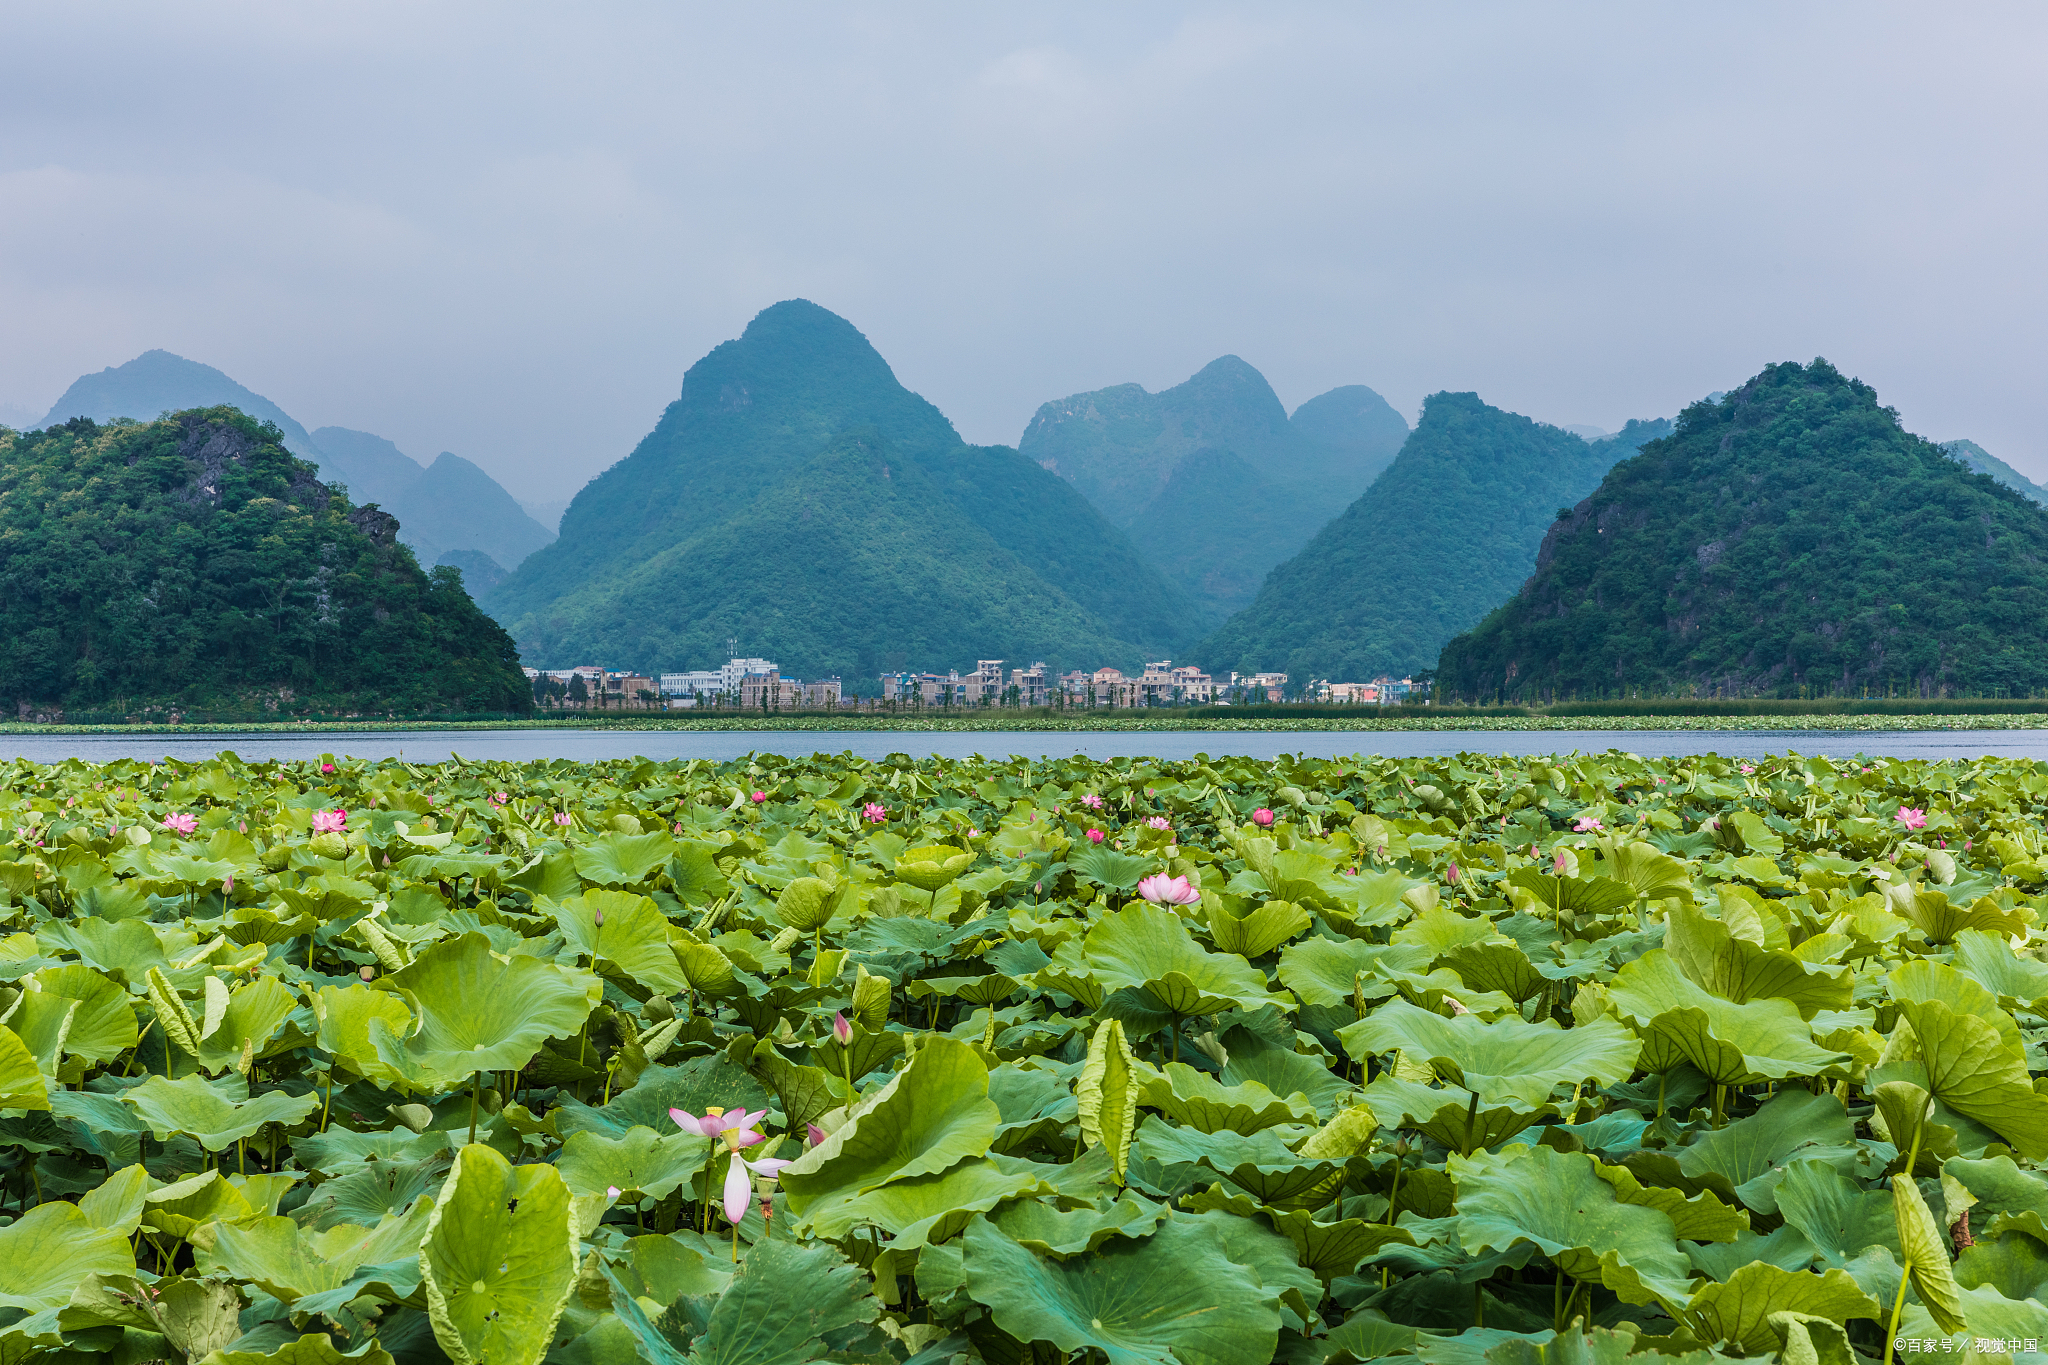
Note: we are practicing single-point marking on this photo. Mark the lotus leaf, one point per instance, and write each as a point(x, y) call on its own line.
point(48, 1250)
point(1172, 1297)
point(1739, 1309)
point(479, 1011)
point(21, 1080)
point(643, 1161)
point(1506, 1061)
point(498, 1259)
point(626, 931)
point(217, 1113)
point(623, 859)
point(1051, 1231)
point(1199, 1100)
point(1148, 949)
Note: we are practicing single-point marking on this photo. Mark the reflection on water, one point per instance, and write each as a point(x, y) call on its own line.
point(433, 746)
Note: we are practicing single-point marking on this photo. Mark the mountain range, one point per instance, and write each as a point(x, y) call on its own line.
point(1790, 538)
point(1212, 479)
point(1447, 532)
point(192, 561)
point(449, 512)
point(797, 498)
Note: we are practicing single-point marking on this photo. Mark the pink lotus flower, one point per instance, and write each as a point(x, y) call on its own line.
point(1092, 801)
point(842, 1031)
point(1910, 818)
point(1557, 864)
point(1159, 822)
point(1161, 889)
point(227, 886)
point(183, 822)
point(816, 1134)
point(874, 813)
point(561, 817)
point(500, 799)
point(1748, 770)
point(1262, 817)
point(1586, 825)
point(611, 1191)
point(1451, 872)
point(973, 833)
point(738, 1185)
point(759, 797)
point(326, 767)
point(330, 821)
point(1094, 836)
point(735, 1127)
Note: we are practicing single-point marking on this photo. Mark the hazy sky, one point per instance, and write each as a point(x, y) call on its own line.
point(506, 230)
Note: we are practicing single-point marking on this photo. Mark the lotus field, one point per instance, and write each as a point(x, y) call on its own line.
point(785, 1060)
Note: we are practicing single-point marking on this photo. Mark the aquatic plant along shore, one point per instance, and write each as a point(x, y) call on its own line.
point(796, 1059)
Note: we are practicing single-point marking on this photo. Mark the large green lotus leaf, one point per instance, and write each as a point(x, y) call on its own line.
point(785, 1298)
point(1766, 1039)
point(1841, 1218)
point(289, 1263)
point(692, 1086)
point(1989, 960)
point(1146, 948)
point(498, 1260)
point(1323, 971)
point(1249, 1242)
point(1558, 1201)
point(254, 1014)
point(314, 1349)
point(216, 1113)
point(124, 949)
point(1574, 895)
point(1752, 1146)
point(633, 937)
point(1507, 1060)
point(117, 1202)
point(644, 1160)
point(1447, 1114)
point(623, 859)
point(2015, 1265)
point(104, 1026)
point(1107, 1093)
point(1174, 1298)
point(21, 1080)
point(1334, 1249)
point(1283, 1071)
point(1107, 867)
point(43, 1023)
point(344, 1013)
point(930, 868)
point(479, 1011)
point(1971, 1049)
point(1739, 1309)
point(1926, 1254)
point(339, 1150)
point(694, 871)
point(48, 1250)
point(1501, 967)
point(1257, 933)
point(933, 1113)
point(804, 1093)
point(1198, 1100)
point(1648, 871)
point(1367, 1335)
point(195, 1202)
point(1735, 968)
point(1988, 1313)
point(372, 1190)
point(1701, 1218)
point(1260, 1164)
point(1052, 1231)
point(930, 1208)
point(1443, 930)
point(2005, 1195)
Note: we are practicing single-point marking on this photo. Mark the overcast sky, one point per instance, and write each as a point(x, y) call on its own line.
point(506, 230)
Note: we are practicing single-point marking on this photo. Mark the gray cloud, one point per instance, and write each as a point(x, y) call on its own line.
point(506, 230)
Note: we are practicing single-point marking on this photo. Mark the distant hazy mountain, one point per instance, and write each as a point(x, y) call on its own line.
point(1789, 539)
point(1446, 534)
point(1213, 480)
point(548, 514)
point(1984, 462)
point(157, 382)
point(451, 506)
point(797, 497)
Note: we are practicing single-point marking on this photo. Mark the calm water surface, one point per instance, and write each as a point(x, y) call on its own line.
point(430, 746)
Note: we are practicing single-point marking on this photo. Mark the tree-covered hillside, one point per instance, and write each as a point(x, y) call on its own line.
point(676, 549)
point(192, 561)
point(1445, 534)
point(1791, 537)
point(1212, 478)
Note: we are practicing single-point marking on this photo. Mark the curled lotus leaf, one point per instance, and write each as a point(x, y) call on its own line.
point(1504, 1061)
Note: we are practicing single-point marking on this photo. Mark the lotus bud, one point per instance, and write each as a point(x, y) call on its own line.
point(1262, 817)
point(814, 1133)
point(1451, 873)
point(368, 973)
point(597, 918)
point(842, 1032)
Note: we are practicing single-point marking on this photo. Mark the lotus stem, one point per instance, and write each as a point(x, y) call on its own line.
point(475, 1084)
point(1891, 1334)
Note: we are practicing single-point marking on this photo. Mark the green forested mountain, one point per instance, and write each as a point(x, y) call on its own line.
point(800, 499)
point(1445, 534)
point(451, 506)
point(193, 561)
point(1790, 537)
point(1984, 462)
point(1213, 480)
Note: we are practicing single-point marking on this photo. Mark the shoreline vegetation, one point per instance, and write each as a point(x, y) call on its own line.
point(1873, 714)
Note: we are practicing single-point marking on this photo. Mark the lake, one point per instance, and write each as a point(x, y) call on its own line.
point(524, 746)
